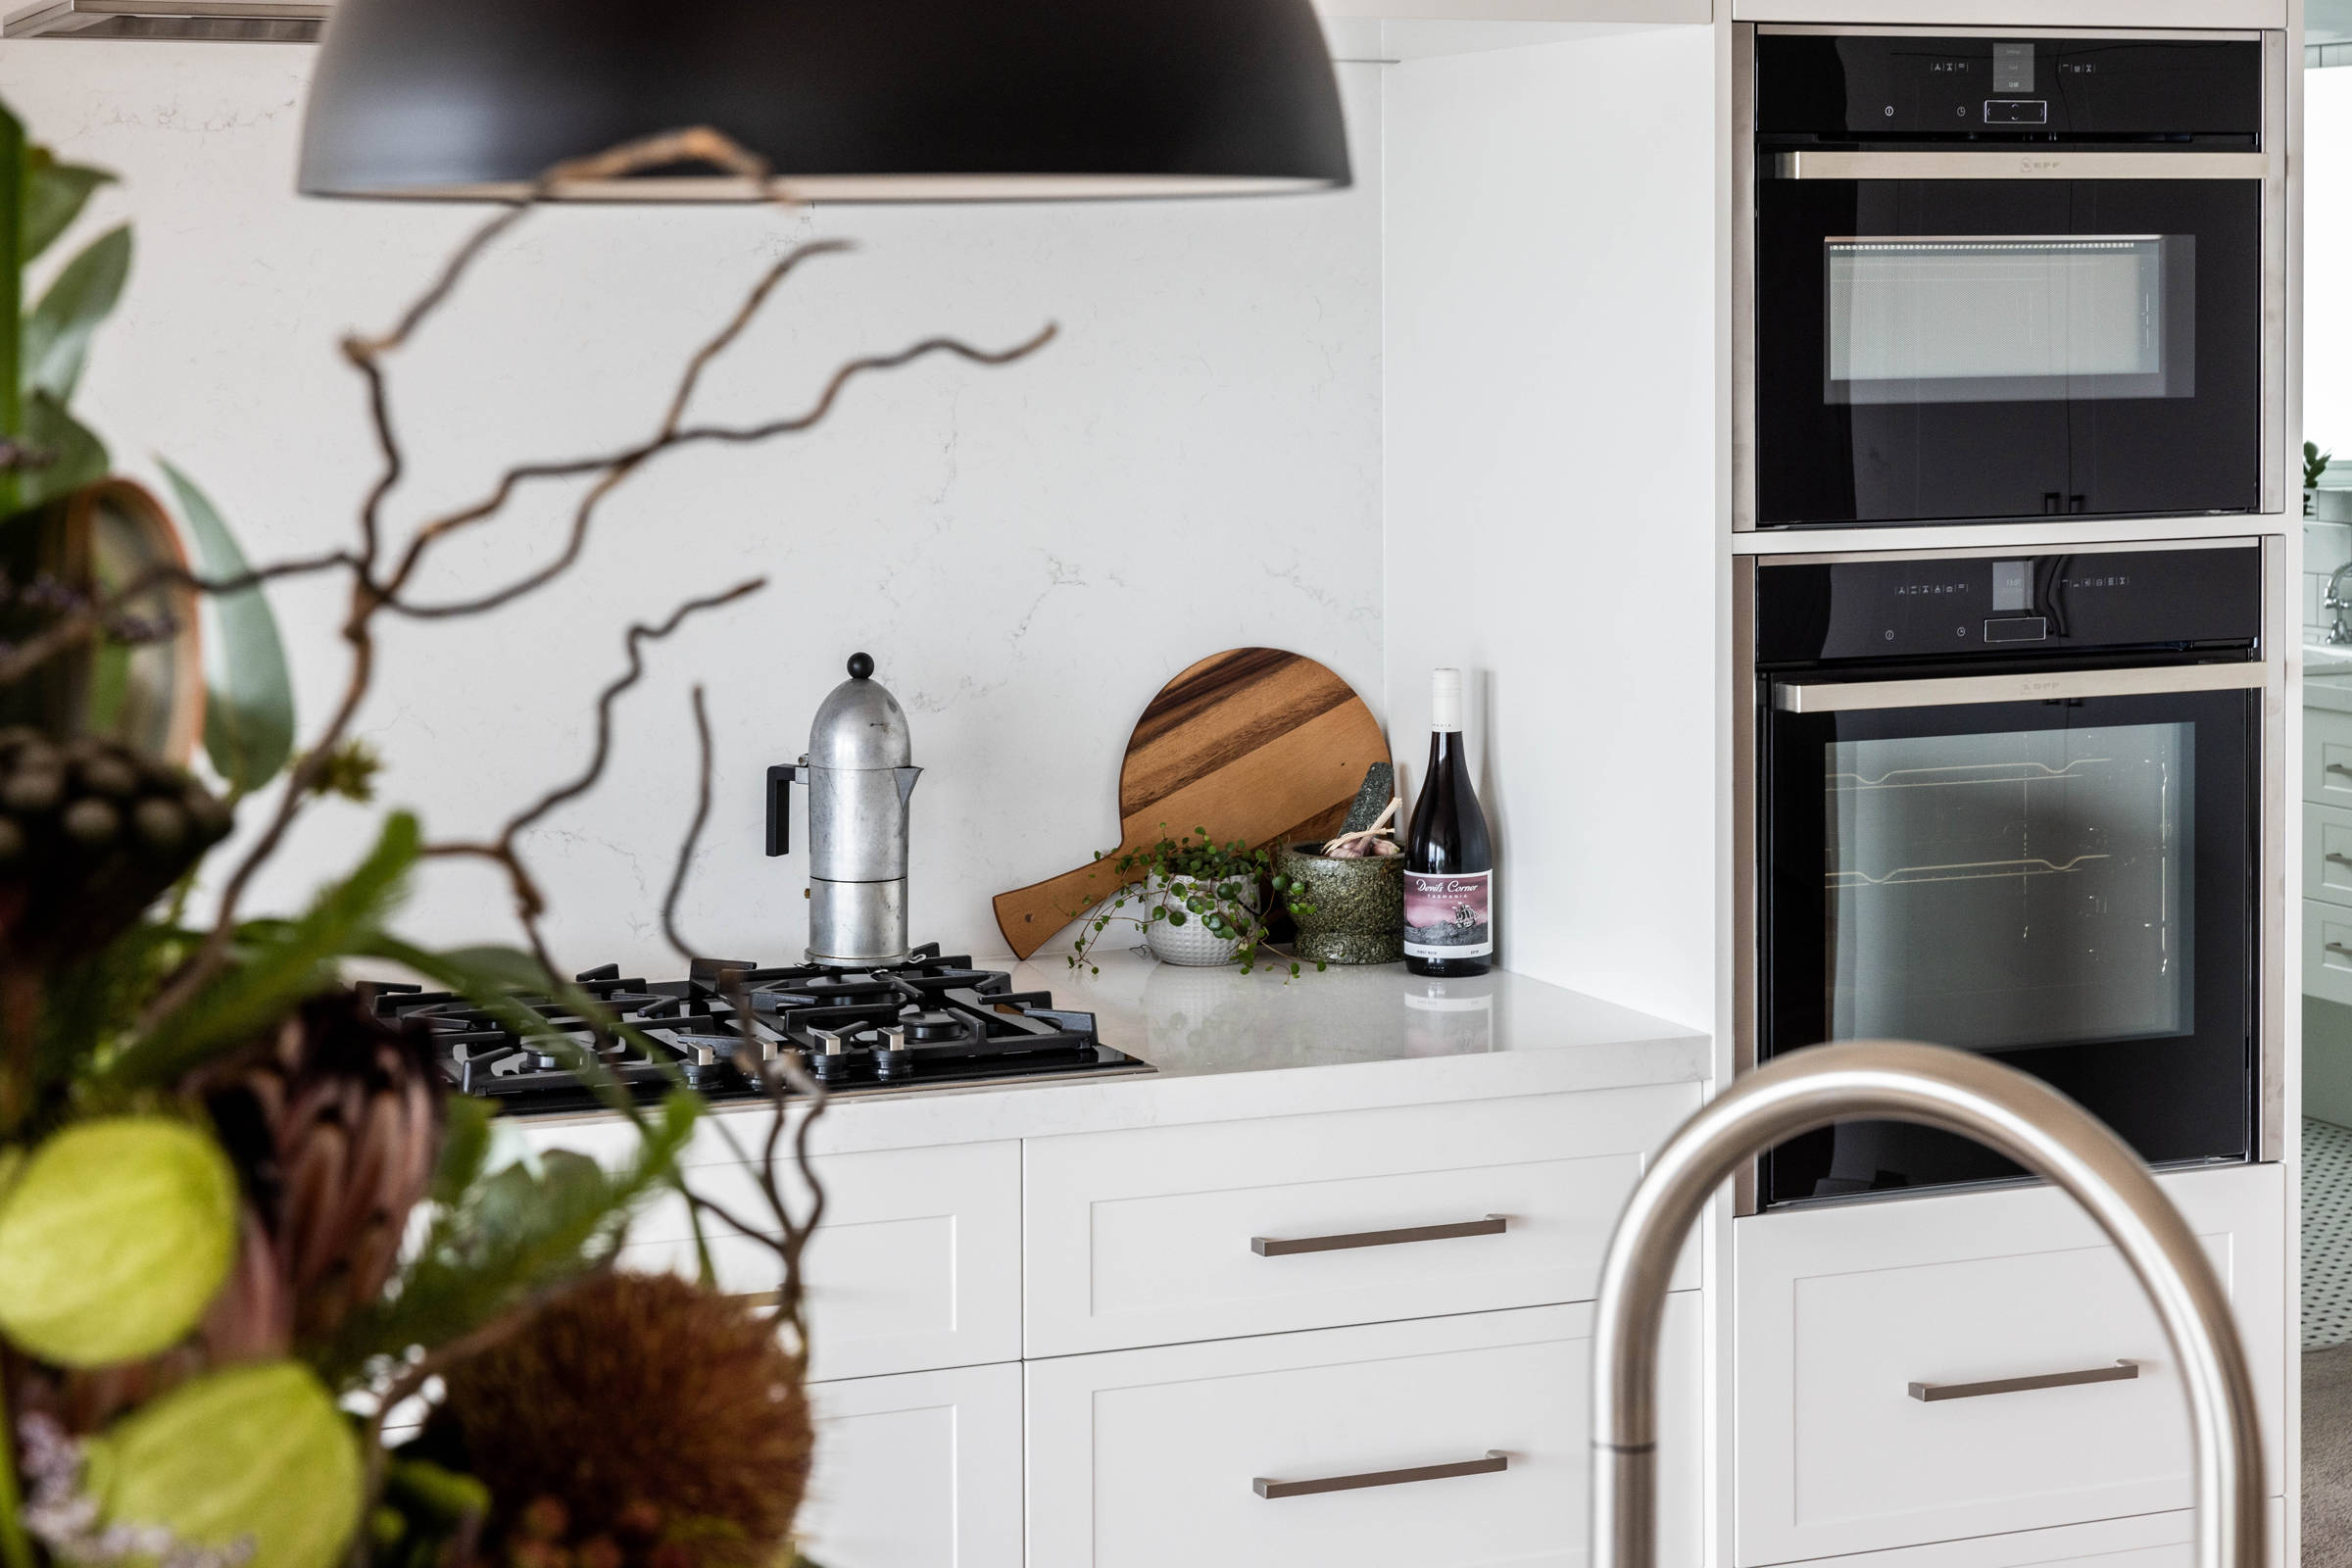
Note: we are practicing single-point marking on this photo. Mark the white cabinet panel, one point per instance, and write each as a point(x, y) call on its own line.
point(916, 1265)
point(1839, 1311)
point(2326, 952)
point(2327, 757)
point(1161, 1235)
point(918, 1471)
point(2327, 854)
point(2142, 1540)
point(1149, 1458)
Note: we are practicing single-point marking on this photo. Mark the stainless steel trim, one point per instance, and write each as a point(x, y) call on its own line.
point(1743, 279)
point(2121, 1372)
point(1746, 851)
point(1842, 30)
point(1843, 697)
point(1975, 1096)
point(1495, 1460)
point(2276, 434)
point(212, 20)
point(2028, 164)
point(2280, 985)
point(1280, 1247)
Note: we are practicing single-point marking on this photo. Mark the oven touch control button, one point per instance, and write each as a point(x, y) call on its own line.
point(2018, 629)
point(2016, 112)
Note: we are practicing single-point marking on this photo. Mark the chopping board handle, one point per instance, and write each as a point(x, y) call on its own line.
point(1029, 916)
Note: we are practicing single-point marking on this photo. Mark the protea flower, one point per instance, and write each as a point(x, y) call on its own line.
point(334, 1123)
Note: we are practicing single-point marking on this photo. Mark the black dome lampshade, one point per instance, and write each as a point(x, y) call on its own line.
point(844, 100)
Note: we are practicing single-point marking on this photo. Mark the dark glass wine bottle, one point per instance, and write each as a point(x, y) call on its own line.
point(1448, 862)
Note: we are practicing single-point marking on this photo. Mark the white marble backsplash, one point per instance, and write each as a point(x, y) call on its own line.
point(1027, 553)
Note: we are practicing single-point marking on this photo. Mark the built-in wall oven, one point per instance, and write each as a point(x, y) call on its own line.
point(2013, 802)
point(1989, 275)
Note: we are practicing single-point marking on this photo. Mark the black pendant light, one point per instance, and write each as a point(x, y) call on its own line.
point(843, 100)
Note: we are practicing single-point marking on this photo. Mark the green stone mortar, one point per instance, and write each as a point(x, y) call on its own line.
point(1359, 906)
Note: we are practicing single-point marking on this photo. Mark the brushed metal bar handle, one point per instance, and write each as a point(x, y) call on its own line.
point(1838, 697)
point(2121, 1372)
point(2344, 768)
point(1284, 1247)
point(1495, 1460)
point(2338, 946)
point(2031, 162)
point(2340, 859)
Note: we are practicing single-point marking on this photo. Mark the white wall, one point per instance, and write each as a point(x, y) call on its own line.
point(1551, 276)
point(1028, 553)
point(2327, 242)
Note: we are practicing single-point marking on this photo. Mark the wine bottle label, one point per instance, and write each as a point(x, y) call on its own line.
point(1448, 916)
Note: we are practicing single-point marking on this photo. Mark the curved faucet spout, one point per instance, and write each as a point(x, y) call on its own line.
point(1977, 1097)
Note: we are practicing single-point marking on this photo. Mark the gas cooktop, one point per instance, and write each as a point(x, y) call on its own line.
point(930, 1022)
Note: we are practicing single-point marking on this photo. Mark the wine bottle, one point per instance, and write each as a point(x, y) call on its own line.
point(1448, 862)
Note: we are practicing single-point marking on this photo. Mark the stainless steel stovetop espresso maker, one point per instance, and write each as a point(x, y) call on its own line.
point(859, 770)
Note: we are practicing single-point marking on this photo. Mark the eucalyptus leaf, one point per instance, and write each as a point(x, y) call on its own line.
point(14, 164)
point(114, 1237)
point(76, 456)
point(249, 709)
point(465, 1146)
point(281, 969)
point(58, 330)
point(54, 196)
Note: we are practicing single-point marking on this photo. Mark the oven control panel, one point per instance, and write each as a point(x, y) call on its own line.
point(1907, 88)
point(1811, 613)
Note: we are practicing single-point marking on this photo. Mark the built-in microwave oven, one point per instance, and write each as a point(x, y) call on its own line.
point(2015, 804)
point(1984, 276)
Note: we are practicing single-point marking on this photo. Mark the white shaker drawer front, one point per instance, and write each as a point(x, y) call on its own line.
point(920, 1471)
point(2141, 1541)
point(1877, 1346)
point(1161, 1235)
point(2328, 952)
point(2327, 757)
point(916, 1265)
point(2327, 854)
point(1439, 1443)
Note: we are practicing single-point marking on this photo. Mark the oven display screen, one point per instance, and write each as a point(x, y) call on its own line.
point(2012, 68)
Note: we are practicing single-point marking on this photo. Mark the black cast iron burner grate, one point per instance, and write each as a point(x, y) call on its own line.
point(932, 1021)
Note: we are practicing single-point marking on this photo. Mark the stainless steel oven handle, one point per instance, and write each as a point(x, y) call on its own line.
point(1842, 697)
point(2033, 163)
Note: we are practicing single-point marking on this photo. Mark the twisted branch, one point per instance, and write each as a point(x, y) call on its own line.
point(377, 587)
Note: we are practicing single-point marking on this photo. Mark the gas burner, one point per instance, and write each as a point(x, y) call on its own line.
point(932, 1021)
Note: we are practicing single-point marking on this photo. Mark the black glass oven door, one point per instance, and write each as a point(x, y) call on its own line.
point(2065, 884)
point(1963, 349)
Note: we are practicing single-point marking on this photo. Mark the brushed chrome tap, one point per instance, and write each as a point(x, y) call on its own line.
point(2338, 632)
point(1961, 1093)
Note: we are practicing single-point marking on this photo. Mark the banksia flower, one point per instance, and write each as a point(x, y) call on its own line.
point(639, 1419)
point(90, 833)
point(334, 1123)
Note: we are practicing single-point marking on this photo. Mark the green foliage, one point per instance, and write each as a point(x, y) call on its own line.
point(249, 709)
point(58, 332)
point(1190, 878)
point(54, 196)
point(283, 962)
point(114, 1237)
point(256, 1452)
point(71, 455)
point(505, 1235)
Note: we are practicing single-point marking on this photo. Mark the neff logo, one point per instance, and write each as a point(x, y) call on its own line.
point(2035, 166)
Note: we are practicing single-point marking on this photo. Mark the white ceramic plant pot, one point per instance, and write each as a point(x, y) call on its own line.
point(1191, 943)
